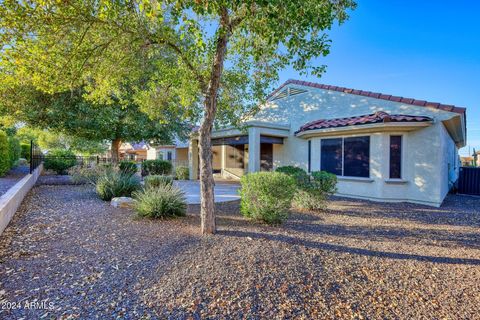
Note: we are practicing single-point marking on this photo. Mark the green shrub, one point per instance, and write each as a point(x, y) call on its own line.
point(60, 160)
point(266, 196)
point(14, 150)
point(4, 154)
point(182, 173)
point(312, 195)
point(154, 181)
point(327, 182)
point(161, 202)
point(25, 152)
point(156, 167)
point(300, 175)
point(116, 184)
point(128, 166)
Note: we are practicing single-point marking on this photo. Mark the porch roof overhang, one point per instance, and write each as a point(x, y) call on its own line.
point(366, 128)
point(265, 128)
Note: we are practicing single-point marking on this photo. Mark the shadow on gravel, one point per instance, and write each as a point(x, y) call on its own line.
point(395, 233)
point(346, 249)
point(456, 210)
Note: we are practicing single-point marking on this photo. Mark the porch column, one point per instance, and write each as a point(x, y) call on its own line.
point(223, 155)
point(193, 159)
point(253, 149)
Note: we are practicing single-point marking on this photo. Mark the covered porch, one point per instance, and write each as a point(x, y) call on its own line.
point(236, 152)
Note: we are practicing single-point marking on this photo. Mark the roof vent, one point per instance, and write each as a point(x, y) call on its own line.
point(288, 92)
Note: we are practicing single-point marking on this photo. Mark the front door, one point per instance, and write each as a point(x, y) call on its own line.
point(266, 157)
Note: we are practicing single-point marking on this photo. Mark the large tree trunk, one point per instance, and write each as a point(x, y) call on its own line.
point(115, 149)
point(207, 202)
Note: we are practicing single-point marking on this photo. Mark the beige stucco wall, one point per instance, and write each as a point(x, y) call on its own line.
point(426, 151)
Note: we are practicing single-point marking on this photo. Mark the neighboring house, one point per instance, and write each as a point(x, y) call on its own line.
point(381, 147)
point(176, 153)
point(467, 161)
point(135, 151)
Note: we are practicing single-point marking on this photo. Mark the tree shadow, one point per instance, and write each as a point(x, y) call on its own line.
point(346, 249)
point(456, 210)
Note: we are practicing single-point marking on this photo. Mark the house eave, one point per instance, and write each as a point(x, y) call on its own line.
point(367, 128)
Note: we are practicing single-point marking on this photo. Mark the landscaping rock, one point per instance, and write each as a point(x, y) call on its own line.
point(122, 202)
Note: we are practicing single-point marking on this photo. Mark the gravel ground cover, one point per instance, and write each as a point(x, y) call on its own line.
point(357, 260)
point(12, 177)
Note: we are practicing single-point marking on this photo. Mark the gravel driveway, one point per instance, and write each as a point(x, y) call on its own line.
point(358, 260)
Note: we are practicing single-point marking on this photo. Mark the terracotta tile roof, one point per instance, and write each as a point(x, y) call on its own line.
point(377, 117)
point(376, 95)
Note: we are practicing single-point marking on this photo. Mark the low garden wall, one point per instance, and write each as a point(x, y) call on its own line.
point(11, 200)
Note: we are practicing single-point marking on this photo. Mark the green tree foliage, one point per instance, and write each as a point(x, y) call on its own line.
point(4, 154)
point(210, 59)
point(14, 150)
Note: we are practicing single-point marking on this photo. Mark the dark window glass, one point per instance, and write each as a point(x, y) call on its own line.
point(266, 156)
point(331, 156)
point(395, 157)
point(356, 157)
point(309, 155)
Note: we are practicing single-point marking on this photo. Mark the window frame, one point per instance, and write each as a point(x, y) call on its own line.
point(343, 153)
point(402, 152)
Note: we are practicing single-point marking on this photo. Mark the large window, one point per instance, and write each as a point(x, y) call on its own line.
point(346, 156)
point(395, 157)
point(331, 156)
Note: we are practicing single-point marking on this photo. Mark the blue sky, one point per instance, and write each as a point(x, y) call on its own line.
point(425, 49)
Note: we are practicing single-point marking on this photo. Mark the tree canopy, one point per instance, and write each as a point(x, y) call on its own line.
point(213, 60)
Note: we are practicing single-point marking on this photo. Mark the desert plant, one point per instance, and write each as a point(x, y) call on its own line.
point(4, 154)
point(14, 150)
point(115, 183)
point(60, 160)
point(156, 167)
point(161, 202)
point(182, 173)
point(266, 196)
point(154, 181)
point(300, 175)
point(89, 175)
point(128, 166)
point(313, 194)
point(25, 151)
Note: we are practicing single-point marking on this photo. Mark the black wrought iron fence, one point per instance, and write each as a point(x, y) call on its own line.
point(36, 156)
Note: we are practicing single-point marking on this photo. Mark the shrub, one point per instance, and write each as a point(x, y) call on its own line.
point(90, 175)
point(300, 175)
point(14, 150)
point(313, 194)
point(4, 154)
point(116, 184)
point(161, 202)
point(327, 182)
point(266, 196)
point(182, 173)
point(128, 166)
point(154, 181)
point(25, 151)
point(156, 167)
point(60, 160)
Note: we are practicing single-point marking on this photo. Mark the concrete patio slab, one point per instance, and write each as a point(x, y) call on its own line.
point(223, 191)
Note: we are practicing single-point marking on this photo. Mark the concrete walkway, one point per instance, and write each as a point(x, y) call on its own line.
point(223, 191)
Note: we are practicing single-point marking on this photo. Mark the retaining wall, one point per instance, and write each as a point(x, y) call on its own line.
point(11, 200)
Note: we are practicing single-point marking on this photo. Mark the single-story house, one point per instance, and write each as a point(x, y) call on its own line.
point(177, 153)
point(381, 147)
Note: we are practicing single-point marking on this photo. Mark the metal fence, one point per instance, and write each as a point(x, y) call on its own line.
point(36, 156)
point(469, 181)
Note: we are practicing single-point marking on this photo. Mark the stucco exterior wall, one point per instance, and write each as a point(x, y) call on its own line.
point(427, 152)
